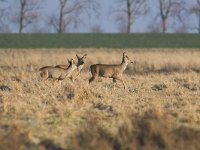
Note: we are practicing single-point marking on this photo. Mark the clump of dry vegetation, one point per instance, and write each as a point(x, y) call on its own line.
point(152, 130)
point(158, 110)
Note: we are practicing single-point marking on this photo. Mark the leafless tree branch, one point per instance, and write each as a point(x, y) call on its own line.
point(128, 11)
point(70, 13)
point(171, 8)
point(27, 13)
point(196, 10)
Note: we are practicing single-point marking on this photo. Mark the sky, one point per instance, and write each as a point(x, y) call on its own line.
point(104, 20)
point(107, 22)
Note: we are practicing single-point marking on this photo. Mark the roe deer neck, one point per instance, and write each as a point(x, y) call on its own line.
point(80, 67)
point(70, 69)
point(123, 65)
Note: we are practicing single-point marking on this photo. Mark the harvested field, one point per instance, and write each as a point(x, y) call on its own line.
point(160, 109)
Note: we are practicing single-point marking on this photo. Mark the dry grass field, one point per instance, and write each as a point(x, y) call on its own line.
point(160, 109)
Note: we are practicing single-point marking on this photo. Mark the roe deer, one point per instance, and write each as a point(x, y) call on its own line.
point(110, 71)
point(57, 73)
point(79, 66)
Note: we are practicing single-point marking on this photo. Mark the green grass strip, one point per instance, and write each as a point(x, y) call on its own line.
point(72, 40)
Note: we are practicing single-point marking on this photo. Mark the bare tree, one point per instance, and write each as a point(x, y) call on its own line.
point(154, 27)
point(4, 27)
point(128, 11)
point(70, 12)
point(61, 20)
point(3, 0)
point(27, 12)
point(196, 10)
point(2, 9)
point(96, 29)
point(170, 8)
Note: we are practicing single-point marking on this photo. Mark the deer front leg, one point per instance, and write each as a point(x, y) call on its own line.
point(123, 84)
point(72, 79)
point(120, 79)
point(114, 83)
point(91, 79)
point(75, 77)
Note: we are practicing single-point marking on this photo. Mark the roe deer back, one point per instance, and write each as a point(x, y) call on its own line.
point(57, 73)
point(110, 71)
point(79, 65)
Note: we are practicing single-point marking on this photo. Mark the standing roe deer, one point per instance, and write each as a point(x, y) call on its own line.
point(79, 66)
point(110, 71)
point(57, 73)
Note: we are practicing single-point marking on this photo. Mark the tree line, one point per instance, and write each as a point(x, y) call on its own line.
point(24, 16)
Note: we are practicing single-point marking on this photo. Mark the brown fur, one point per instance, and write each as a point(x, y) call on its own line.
point(79, 65)
point(110, 71)
point(57, 73)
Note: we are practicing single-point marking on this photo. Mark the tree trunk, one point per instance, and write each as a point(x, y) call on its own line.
point(60, 30)
point(199, 24)
point(164, 24)
point(198, 2)
point(61, 20)
point(129, 16)
point(21, 19)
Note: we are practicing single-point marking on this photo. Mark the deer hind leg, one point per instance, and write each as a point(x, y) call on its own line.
point(91, 79)
point(114, 82)
point(44, 75)
point(60, 82)
point(56, 81)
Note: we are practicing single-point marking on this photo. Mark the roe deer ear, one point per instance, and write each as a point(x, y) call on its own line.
point(69, 62)
point(84, 56)
point(77, 56)
point(72, 61)
point(124, 53)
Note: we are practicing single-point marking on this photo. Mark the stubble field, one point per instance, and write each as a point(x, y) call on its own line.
point(160, 109)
